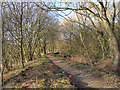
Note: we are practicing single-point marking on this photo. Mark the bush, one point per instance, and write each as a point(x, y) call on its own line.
point(43, 56)
point(70, 52)
point(91, 69)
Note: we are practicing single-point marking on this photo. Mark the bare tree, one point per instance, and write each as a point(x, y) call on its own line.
point(96, 11)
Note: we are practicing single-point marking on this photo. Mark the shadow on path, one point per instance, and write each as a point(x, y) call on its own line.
point(77, 81)
point(82, 79)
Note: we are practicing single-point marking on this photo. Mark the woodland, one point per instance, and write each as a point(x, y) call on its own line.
point(85, 33)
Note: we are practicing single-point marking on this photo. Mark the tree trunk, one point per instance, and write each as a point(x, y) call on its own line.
point(1, 59)
point(44, 48)
point(21, 36)
point(30, 51)
point(86, 50)
point(114, 48)
point(114, 51)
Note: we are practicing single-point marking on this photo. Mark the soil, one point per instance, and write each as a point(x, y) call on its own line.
point(82, 78)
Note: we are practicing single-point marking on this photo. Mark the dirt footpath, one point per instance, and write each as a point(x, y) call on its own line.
point(83, 78)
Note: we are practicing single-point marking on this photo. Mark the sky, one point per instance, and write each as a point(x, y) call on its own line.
point(73, 15)
point(50, 0)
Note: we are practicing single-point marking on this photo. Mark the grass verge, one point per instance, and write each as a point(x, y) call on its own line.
point(40, 74)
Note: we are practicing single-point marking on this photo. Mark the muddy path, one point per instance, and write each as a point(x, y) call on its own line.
point(82, 79)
